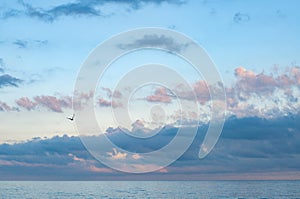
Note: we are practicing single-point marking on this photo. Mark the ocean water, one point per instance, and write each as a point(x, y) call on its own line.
point(150, 189)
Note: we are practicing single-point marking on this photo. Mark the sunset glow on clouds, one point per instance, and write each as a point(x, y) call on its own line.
point(248, 86)
point(255, 49)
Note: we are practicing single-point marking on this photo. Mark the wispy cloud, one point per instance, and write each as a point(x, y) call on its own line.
point(26, 103)
point(109, 103)
point(160, 95)
point(4, 107)
point(1, 65)
point(21, 43)
point(110, 93)
point(53, 103)
point(241, 17)
point(157, 41)
point(24, 43)
point(110, 98)
point(90, 8)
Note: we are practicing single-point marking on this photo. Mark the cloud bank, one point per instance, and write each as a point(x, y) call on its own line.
point(247, 148)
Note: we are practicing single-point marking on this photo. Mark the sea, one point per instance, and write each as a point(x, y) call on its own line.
point(149, 189)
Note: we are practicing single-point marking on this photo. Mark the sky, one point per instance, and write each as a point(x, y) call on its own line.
point(254, 45)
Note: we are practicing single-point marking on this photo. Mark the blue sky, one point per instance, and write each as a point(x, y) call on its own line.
point(255, 46)
point(44, 44)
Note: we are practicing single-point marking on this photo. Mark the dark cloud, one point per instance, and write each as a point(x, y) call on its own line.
point(69, 9)
point(247, 146)
point(11, 13)
point(90, 8)
point(7, 80)
point(241, 17)
point(41, 42)
point(2, 64)
point(21, 43)
point(72, 9)
point(280, 14)
point(156, 41)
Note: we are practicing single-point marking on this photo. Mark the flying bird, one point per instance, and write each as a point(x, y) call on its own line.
point(71, 118)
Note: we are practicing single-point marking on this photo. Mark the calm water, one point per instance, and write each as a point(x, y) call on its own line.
point(151, 189)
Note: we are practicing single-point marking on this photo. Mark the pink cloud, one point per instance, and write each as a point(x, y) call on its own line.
point(99, 169)
point(5, 107)
point(241, 95)
point(295, 72)
point(18, 163)
point(110, 93)
point(202, 92)
point(105, 103)
point(116, 155)
point(160, 95)
point(89, 165)
point(53, 103)
point(117, 94)
point(199, 92)
point(75, 158)
point(137, 124)
point(243, 73)
point(163, 170)
point(26, 103)
point(136, 156)
point(250, 82)
point(81, 99)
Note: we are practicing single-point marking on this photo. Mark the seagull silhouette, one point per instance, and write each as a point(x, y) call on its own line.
point(71, 118)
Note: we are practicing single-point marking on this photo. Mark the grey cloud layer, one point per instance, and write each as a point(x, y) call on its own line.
point(249, 145)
